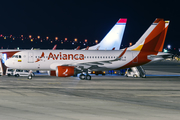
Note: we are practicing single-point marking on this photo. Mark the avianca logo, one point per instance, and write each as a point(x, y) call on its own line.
point(39, 59)
point(65, 73)
point(61, 56)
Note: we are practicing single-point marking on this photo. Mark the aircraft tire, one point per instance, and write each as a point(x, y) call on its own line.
point(82, 77)
point(88, 77)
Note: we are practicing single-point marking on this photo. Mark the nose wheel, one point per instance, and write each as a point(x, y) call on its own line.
point(85, 77)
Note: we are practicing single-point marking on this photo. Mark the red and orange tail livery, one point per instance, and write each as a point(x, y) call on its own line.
point(153, 39)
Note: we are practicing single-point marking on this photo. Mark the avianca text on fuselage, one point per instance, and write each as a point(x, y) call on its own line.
point(62, 56)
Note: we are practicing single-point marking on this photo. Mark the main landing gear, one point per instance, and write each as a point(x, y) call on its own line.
point(85, 77)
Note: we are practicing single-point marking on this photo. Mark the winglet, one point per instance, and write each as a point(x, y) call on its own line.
point(54, 46)
point(78, 48)
point(87, 48)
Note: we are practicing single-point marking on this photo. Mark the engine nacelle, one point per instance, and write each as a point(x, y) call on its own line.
point(65, 71)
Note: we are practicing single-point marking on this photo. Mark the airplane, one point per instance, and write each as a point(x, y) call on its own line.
point(69, 62)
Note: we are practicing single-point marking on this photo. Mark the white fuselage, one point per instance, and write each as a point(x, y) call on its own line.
point(50, 59)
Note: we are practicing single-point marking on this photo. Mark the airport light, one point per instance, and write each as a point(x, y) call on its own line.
point(31, 40)
point(30, 36)
point(96, 41)
point(165, 50)
point(85, 40)
point(38, 37)
point(65, 39)
point(1, 35)
point(169, 46)
point(21, 35)
point(47, 38)
point(75, 39)
point(56, 38)
point(51, 41)
point(13, 38)
point(130, 44)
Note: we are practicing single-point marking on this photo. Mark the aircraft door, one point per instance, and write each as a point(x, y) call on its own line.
point(30, 57)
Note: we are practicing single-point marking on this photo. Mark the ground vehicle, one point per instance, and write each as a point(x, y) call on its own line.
point(19, 72)
point(135, 72)
point(9, 71)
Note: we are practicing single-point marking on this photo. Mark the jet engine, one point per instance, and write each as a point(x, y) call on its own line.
point(65, 71)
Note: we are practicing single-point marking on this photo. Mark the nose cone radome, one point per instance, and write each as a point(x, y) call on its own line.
point(7, 63)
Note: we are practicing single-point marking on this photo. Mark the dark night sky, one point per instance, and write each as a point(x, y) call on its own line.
point(87, 19)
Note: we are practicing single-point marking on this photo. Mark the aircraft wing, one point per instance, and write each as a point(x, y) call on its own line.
point(89, 64)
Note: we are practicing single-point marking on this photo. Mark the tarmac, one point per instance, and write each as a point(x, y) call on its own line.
point(156, 97)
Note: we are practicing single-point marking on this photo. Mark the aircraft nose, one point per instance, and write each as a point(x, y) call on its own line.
point(7, 63)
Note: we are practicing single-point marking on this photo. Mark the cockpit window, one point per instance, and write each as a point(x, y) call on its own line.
point(16, 56)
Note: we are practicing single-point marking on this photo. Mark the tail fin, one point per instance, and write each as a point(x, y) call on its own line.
point(113, 38)
point(153, 39)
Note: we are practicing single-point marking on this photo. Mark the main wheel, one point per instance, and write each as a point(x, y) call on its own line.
point(88, 77)
point(82, 77)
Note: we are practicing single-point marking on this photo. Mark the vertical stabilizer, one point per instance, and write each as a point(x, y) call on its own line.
point(153, 39)
point(113, 38)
